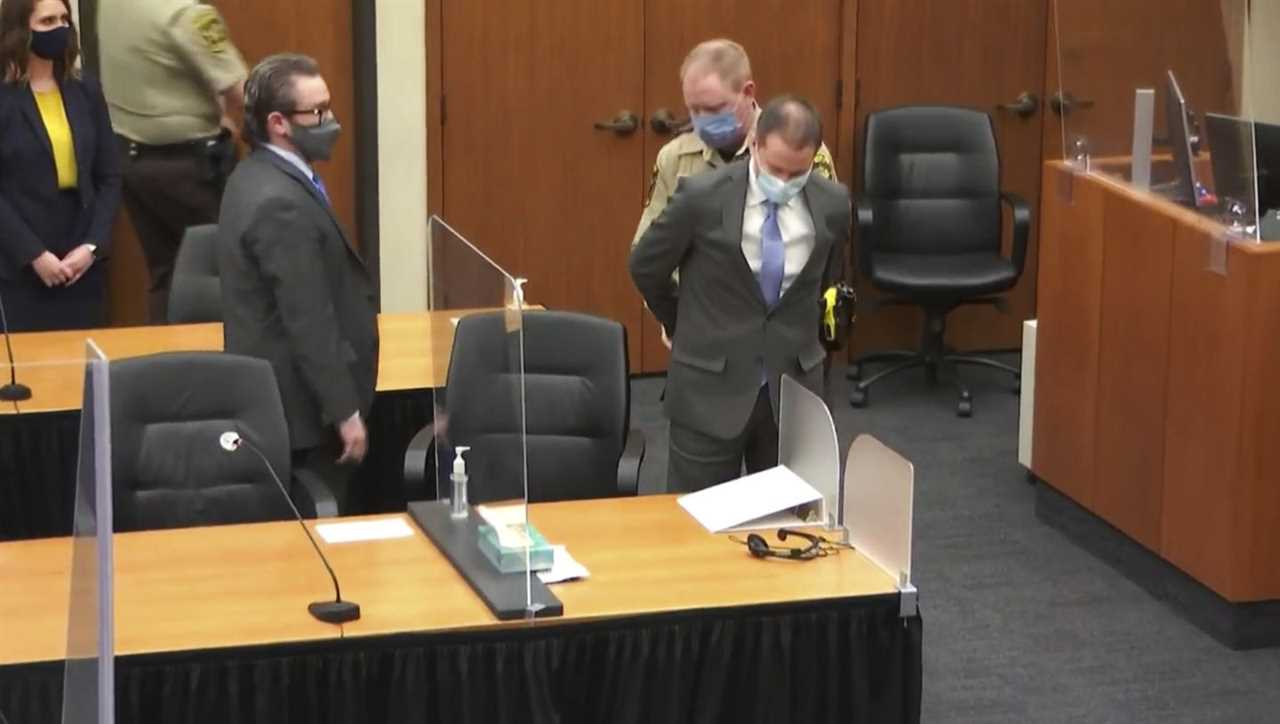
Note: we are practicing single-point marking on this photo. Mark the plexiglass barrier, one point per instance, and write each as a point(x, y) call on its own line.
point(1162, 95)
point(88, 693)
point(480, 457)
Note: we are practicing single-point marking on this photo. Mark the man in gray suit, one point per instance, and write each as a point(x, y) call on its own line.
point(295, 292)
point(756, 243)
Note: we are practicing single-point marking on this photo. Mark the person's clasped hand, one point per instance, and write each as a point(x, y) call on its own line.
point(54, 272)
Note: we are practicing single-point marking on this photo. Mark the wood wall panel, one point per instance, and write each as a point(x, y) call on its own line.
point(1132, 366)
point(1257, 573)
point(1205, 383)
point(1067, 339)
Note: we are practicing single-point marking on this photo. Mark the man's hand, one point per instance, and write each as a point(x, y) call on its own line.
point(355, 439)
point(53, 271)
point(78, 261)
point(666, 341)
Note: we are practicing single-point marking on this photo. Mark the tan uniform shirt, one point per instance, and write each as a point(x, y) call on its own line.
point(686, 155)
point(165, 64)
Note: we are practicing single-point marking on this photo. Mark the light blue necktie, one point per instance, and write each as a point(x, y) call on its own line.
point(319, 184)
point(772, 256)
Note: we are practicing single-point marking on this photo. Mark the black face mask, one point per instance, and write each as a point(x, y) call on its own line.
point(51, 44)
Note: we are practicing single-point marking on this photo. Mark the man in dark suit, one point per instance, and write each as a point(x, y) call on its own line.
point(755, 244)
point(295, 292)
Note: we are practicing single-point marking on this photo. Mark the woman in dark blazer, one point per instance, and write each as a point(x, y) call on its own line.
point(59, 173)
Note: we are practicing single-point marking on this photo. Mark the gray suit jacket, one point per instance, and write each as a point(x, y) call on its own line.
point(297, 294)
point(719, 325)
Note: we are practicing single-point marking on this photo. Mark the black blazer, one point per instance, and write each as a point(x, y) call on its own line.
point(720, 327)
point(296, 293)
point(29, 179)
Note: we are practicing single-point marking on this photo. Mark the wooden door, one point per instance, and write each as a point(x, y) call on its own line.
point(524, 174)
point(794, 48)
point(977, 53)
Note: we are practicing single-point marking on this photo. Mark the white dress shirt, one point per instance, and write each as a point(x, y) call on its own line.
point(293, 159)
point(794, 222)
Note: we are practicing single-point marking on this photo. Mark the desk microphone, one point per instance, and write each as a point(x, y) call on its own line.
point(12, 392)
point(335, 611)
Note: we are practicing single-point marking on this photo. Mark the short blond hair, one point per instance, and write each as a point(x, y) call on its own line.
point(727, 59)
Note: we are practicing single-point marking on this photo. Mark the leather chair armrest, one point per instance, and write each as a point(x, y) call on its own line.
point(1021, 227)
point(864, 229)
point(629, 464)
point(315, 500)
point(416, 459)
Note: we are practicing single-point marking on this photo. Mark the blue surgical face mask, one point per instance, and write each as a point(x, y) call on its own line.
point(719, 130)
point(778, 191)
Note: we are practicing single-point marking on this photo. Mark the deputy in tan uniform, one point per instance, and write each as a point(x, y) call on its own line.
point(721, 97)
point(720, 94)
point(174, 83)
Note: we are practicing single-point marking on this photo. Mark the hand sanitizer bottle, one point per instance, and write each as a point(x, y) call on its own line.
point(458, 504)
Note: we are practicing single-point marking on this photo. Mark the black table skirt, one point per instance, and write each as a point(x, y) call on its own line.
point(841, 661)
point(38, 464)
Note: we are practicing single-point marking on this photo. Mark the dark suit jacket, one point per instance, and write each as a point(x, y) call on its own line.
point(719, 324)
point(29, 179)
point(296, 293)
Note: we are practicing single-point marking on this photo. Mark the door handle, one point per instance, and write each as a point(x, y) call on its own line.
point(1024, 106)
point(664, 121)
point(1063, 102)
point(623, 124)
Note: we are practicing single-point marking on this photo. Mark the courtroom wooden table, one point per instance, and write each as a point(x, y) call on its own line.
point(414, 354)
point(38, 436)
point(244, 589)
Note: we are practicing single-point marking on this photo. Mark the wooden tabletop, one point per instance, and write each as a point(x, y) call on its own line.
point(228, 586)
point(415, 349)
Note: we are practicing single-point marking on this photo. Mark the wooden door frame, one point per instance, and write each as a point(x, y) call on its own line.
point(847, 108)
point(435, 106)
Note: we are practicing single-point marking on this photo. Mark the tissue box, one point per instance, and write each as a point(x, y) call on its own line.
point(512, 559)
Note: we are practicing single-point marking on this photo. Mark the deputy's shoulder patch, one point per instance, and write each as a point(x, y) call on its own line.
point(210, 29)
point(823, 163)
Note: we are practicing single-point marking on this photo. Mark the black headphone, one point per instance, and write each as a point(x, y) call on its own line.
point(817, 547)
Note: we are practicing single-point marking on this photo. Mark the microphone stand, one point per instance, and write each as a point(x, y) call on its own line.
point(337, 610)
point(12, 392)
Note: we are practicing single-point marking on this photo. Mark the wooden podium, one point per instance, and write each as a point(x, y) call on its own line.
point(1158, 395)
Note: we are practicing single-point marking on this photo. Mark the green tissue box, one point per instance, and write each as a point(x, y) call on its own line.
point(512, 560)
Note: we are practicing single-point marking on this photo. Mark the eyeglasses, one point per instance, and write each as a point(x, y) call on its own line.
point(818, 546)
point(319, 113)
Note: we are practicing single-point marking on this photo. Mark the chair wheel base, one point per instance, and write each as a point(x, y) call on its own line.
point(853, 373)
point(858, 398)
point(965, 407)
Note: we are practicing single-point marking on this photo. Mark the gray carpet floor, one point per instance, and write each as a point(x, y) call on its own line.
point(1020, 625)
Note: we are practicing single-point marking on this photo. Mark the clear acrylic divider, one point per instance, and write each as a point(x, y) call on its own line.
point(88, 693)
point(878, 506)
point(809, 447)
point(479, 414)
point(1157, 95)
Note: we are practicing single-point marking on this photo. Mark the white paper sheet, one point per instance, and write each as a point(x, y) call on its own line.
point(364, 530)
point(564, 568)
point(754, 501)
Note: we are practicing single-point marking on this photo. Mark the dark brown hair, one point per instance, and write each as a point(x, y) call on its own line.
point(15, 41)
point(269, 89)
point(793, 118)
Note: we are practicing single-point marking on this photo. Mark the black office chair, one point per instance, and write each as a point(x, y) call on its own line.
point(929, 230)
point(168, 412)
point(195, 294)
point(578, 407)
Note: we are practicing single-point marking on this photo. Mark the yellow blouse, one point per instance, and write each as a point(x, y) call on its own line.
point(54, 115)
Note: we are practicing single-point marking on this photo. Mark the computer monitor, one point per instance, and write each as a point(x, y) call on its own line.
point(1244, 151)
point(1183, 188)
